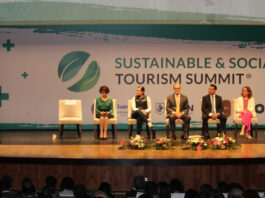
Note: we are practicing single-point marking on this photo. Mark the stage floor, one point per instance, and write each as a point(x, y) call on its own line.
point(42, 145)
point(51, 137)
point(112, 152)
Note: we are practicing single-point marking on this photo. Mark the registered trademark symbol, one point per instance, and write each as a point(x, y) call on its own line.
point(248, 76)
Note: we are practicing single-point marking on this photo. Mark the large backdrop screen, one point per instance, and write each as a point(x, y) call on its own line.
point(42, 64)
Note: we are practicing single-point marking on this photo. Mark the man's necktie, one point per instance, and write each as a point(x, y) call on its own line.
point(213, 104)
point(177, 105)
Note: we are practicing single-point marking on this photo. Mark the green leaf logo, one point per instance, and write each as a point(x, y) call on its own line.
point(69, 66)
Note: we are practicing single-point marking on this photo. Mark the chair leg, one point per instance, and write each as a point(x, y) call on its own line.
point(148, 131)
point(167, 131)
point(115, 133)
point(256, 130)
point(235, 131)
point(61, 130)
point(95, 131)
point(98, 131)
point(218, 128)
point(79, 130)
point(130, 127)
point(153, 133)
point(251, 130)
point(112, 130)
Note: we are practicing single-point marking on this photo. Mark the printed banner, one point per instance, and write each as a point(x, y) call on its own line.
point(41, 65)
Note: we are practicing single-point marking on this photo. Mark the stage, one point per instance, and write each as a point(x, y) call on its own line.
point(89, 160)
point(111, 155)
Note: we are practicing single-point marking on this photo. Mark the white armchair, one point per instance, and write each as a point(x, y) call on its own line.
point(70, 112)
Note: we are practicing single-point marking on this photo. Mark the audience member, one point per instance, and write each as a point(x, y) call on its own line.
point(151, 188)
point(67, 187)
point(5, 187)
point(218, 195)
point(139, 184)
point(50, 187)
point(145, 195)
point(50, 181)
point(105, 187)
point(49, 192)
point(163, 190)
point(222, 187)
point(191, 193)
point(235, 185)
point(251, 194)
point(176, 186)
point(80, 191)
point(236, 193)
point(28, 189)
point(99, 194)
point(206, 191)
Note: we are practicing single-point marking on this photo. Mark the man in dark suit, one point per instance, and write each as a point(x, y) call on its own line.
point(178, 108)
point(212, 107)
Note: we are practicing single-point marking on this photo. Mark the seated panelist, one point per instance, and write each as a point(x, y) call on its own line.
point(141, 107)
point(104, 111)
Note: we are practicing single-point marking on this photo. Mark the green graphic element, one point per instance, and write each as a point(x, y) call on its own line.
point(3, 96)
point(8, 45)
point(89, 79)
point(251, 35)
point(70, 65)
point(25, 75)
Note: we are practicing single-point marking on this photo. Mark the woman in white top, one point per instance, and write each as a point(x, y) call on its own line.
point(246, 110)
point(141, 107)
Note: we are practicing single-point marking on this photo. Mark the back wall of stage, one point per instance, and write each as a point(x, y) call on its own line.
point(42, 64)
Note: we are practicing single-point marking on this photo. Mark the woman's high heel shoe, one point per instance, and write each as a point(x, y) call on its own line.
point(241, 133)
point(248, 137)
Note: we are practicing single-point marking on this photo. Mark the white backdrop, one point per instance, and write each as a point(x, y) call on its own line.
point(34, 99)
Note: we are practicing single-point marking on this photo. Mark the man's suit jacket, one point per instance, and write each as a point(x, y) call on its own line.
point(207, 106)
point(183, 104)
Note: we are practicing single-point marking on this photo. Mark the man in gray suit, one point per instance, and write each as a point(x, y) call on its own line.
point(178, 108)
